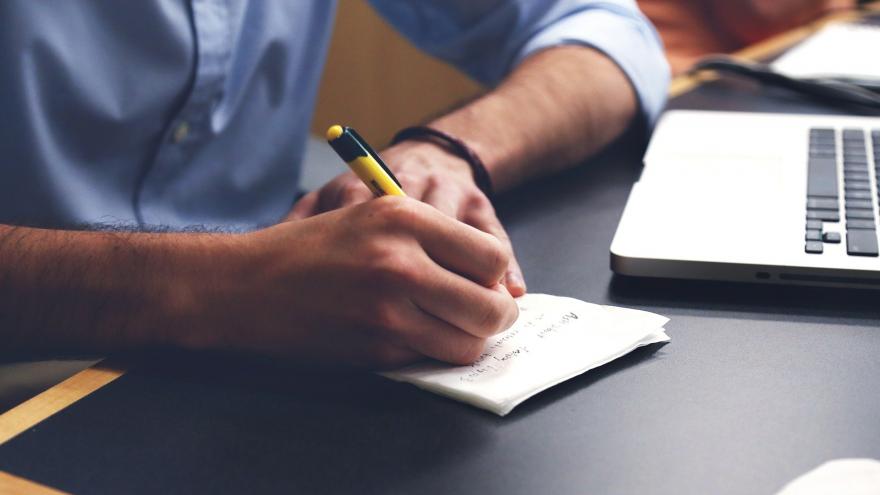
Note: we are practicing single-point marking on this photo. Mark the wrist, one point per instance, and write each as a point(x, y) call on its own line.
point(454, 146)
point(198, 293)
point(426, 155)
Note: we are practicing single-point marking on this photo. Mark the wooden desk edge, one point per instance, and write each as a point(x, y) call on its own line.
point(13, 484)
point(31, 412)
point(40, 407)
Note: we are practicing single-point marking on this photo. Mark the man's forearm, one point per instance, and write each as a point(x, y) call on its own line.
point(93, 290)
point(433, 289)
point(554, 110)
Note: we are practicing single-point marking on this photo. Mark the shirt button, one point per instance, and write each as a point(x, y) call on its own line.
point(181, 132)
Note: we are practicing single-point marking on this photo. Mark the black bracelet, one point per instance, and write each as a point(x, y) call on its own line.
point(455, 146)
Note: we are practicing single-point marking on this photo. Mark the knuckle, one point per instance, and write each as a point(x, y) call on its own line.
point(511, 314)
point(350, 186)
point(447, 206)
point(498, 257)
point(433, 181)
point(479, 201)
point(326, 193)
point(492, 318)
point(407, 178)
point(385, 319)
point(499, 233)
point(398, 211)
point(392, 268)
point(351, 191)
point(467, 351)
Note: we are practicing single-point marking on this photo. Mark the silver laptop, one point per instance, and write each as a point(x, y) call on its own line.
point(756, 197)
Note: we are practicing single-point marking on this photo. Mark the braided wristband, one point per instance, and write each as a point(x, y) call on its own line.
point(455, 146)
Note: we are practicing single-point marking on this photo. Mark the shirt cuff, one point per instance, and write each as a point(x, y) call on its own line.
point(627, 39)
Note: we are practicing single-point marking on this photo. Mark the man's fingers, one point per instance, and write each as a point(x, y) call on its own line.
point(446, 199)
point(484, 218)
point(305, 207)
point(453, 245)
point(413, 185)
point(351, 192)
point(438, 339)
point(342, 188)
point(477, 310)
point(345, 191)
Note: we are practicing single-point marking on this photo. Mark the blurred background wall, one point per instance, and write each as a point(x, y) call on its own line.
point(377, 82)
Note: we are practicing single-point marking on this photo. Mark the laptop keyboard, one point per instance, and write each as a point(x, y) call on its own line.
point(845, 154)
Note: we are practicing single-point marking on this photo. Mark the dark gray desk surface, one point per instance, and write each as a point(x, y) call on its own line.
point(759, 385)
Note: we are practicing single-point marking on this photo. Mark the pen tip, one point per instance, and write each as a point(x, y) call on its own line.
point(334, 132)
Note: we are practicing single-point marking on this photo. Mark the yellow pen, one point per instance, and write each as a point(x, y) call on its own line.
point(363, 161)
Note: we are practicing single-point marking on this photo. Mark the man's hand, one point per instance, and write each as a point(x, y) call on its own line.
point(558, 107)
point(378, 284)
point(433, 176)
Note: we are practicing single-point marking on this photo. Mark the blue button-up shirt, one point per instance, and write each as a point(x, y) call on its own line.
point(180, 113)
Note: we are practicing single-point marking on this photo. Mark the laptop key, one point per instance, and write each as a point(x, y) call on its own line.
point(861, 242)
point(830, 162)
point(822, 204)
point(854, 195)
point(814, 224)
point(855, 160)
point(855, 176)
point(859, 214)
point(814, 247)
point(831, 237)
point(822, 179)
point(858, 185)
point(825, 215)
point(821, 144)
point(813, 235)
point(860, 224)
point(858, 204)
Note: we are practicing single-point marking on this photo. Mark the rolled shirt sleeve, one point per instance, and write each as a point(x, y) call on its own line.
point(487, 38)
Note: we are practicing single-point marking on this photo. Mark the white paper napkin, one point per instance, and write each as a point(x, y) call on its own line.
point(554, 339)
